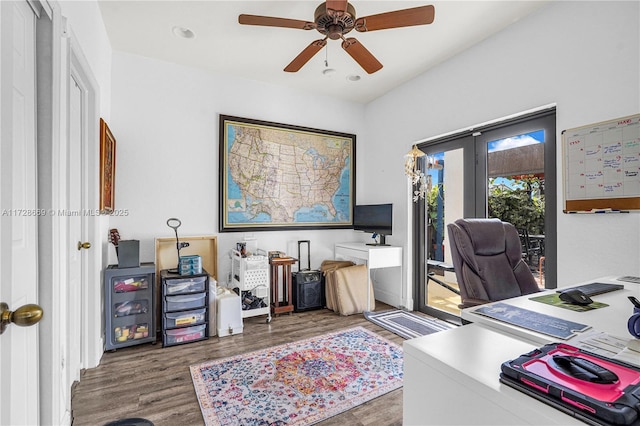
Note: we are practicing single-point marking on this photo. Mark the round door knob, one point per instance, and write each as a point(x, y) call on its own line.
point(23, 316)
point(85, 245)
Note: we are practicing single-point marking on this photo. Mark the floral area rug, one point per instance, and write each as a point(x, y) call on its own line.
point(298, 383)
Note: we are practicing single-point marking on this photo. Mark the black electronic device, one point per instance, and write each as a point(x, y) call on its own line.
point(308, 286)
point(594, 289)
point(374, 218)
point(583, 384)
point(575, 297)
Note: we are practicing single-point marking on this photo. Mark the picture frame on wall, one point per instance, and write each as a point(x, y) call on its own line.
point(275, 176)
point(107, 168)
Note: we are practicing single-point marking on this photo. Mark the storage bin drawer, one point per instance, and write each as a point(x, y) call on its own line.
point(127, 284)
point(184, 285)
point(131, 332)
point(190, 265)
point(181, 303)
point(180, 319)
point(189, 270)
point(132, 307)
point(193, 260)
point(184, 335)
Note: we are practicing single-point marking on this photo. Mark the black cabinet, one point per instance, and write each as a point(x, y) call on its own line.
point(185, 307)
point(129, 305)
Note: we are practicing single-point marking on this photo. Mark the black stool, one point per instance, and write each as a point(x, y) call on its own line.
point(134, 421)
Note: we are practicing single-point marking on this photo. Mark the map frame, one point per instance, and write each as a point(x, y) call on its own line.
point(293, 137)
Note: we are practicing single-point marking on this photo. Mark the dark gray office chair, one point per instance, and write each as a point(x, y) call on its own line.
point(487, 258)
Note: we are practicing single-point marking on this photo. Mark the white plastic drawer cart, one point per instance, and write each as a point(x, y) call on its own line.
point(251, 275)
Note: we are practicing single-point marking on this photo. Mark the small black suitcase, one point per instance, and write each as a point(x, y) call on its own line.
point(308, 286)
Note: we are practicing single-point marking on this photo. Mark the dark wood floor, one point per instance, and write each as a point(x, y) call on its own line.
point(154, 383)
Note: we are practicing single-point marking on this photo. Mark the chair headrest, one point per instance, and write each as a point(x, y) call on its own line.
point(487, 235)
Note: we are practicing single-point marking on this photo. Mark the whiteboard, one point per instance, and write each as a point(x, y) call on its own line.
point(602, 166)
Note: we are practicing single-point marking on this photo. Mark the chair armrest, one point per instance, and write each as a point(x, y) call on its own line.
point(468, 303)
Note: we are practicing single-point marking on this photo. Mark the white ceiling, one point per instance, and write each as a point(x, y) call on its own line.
point(223, 46)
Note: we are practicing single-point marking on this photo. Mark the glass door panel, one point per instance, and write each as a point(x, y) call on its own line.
point(441, 286)
point(516, 192)
point(444, 203)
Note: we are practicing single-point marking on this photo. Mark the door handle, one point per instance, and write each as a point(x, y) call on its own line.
point(24, 316)
point(85, 245)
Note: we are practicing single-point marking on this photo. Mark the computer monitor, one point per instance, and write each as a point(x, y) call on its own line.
point(374, 218)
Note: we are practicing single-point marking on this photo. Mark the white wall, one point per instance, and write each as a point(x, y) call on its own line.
point(165, 121)
point(582, 56)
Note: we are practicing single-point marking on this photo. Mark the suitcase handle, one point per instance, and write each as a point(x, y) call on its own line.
point(308, 243)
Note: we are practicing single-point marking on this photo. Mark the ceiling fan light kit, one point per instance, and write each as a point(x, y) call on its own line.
point(183, 32)
point(336, 18)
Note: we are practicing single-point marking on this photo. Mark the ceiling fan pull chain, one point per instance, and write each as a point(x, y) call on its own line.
point(326, 56)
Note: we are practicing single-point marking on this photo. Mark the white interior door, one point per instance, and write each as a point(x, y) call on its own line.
point(73, 301)
point(19, 365)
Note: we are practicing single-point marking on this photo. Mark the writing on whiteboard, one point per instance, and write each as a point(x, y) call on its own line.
point(603, 161)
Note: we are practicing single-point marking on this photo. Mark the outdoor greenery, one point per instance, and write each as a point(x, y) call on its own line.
point(432, 205)
point(521, 204)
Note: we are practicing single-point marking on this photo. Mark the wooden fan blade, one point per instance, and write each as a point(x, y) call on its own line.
point(361, 55)
point(305, 55)
point(268, 21)
point(336, 6)
point(400, 18)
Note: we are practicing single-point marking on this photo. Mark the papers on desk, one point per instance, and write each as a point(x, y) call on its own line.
point(608, 346)
point(541, 323)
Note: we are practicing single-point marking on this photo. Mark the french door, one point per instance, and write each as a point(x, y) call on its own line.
point(505, 170)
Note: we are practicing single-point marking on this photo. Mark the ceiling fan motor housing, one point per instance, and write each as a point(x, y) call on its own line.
point(334, 25)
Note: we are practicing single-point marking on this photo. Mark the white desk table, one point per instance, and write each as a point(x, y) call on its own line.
point(374, 257)
point(611, 319)
point(452, 378)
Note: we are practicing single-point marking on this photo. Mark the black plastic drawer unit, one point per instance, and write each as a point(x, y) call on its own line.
point(185, 307)
point(129, 305)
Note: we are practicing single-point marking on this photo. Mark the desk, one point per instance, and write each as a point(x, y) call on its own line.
point(452, 378)
point(611, 319)
point(374, 256)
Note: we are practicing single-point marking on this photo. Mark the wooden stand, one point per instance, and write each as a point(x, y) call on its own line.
point(286, 305)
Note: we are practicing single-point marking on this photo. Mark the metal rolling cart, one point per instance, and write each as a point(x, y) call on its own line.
point(251, 275)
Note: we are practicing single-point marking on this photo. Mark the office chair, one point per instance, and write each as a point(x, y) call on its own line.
point(487, 258)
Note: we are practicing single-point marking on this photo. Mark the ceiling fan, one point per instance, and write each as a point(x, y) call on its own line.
point(334, 19)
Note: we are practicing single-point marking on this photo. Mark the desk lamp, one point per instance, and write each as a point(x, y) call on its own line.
point(175, 223)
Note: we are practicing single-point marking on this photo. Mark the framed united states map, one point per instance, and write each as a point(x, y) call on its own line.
point(280, 176)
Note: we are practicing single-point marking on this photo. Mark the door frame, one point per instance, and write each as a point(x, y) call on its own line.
point(470, 140)
point(91, 315)
point(65, 58)
point(419, 211)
